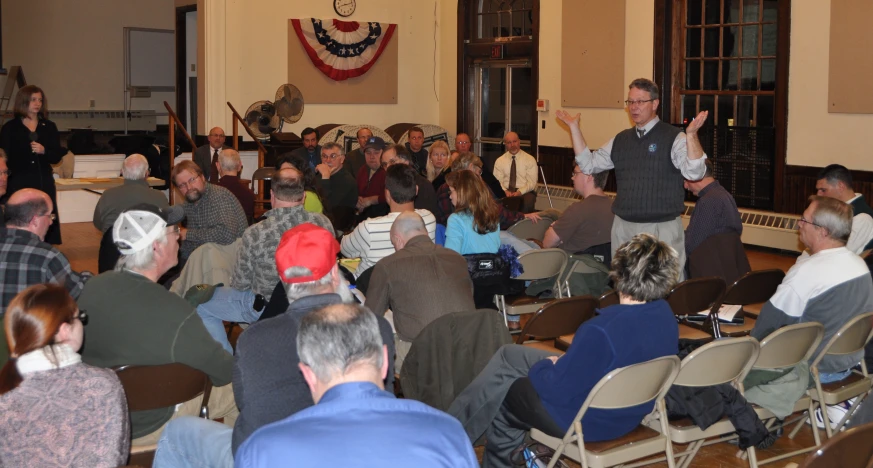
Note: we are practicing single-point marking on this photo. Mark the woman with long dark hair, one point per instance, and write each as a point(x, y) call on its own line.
point(55, 410)
point(32, 144)
point(474, 227)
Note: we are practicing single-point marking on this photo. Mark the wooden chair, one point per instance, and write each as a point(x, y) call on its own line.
point(608, 298)
point(693, 296)
point(557, 318)
point(849, 449)
point(155, 387)
point(538, 265)
point(262, 196)
point(752, 288)
point(622, 388)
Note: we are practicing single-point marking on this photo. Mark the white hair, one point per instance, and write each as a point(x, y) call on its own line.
point(135, 167)
point(142, 259)
point(229, 160)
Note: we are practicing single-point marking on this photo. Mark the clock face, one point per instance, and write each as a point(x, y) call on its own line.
point(344, 7)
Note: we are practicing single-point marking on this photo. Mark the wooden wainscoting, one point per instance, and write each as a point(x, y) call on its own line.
point(800, 184)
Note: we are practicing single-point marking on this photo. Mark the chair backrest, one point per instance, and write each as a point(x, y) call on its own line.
point(263, 173)
point(609, 298)
point(542, 264)
point(153, 387)
point(527, 229)
point(633, 385)
point(789, 345)
point(849, 339)
point(718, 362)
point(754, 287)
point(848, 449)
point(696, 295)
point(559, 317)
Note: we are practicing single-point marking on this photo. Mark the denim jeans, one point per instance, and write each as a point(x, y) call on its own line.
point(227, 304)
point(194, 442)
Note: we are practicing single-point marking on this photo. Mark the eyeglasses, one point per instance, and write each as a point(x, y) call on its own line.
point(463, 143)
point(83, 317)
point(185, 185)
point(330, 157)
point(387, 164)
point(51, 216)
point(637, 103)
point(5, 173)
point(804, 220)
point(175, 229)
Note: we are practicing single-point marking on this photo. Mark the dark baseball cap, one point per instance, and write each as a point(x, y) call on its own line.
point(374, 142)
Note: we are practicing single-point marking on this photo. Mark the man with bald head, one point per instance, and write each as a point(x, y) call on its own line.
point(517, 172)
point(463, 143)
point(26, 258)
point(355, 159)
point(207, 155)
point(420, 282)
point(133, 191)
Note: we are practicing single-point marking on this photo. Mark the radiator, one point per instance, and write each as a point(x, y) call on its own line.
point(761, 228)
point(104, 120)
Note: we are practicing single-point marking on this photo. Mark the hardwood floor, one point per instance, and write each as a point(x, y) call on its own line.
point(82, 241)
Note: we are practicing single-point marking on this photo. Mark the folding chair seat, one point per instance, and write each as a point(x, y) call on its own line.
point(754, 287)
point(622, 388)
point(850, 339)
point(538, 265)
point(559, 317)
point(154, 387)
point(527, 229)
point(693, 296)
point(715, 363)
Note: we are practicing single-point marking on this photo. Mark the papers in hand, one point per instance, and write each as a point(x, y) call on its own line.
point(726, 313)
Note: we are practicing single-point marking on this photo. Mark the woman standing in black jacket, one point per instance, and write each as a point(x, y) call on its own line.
point(32, 145)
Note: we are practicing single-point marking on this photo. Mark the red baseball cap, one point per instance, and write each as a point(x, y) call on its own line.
point(309, 246)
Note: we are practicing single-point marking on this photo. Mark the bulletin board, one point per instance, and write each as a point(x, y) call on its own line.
point(377, 86)
point(851, 57)
point(592, 53)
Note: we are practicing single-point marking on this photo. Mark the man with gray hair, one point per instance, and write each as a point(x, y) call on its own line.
point(134, 190)
point(229, 167)
point(830, 286)
point(338, 185)
point(344, 362)
point(136, 321)
point(651, 161)
point(420, 282)
point(267, 384)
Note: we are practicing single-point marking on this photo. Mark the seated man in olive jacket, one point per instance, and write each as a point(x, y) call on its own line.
point(136, 321)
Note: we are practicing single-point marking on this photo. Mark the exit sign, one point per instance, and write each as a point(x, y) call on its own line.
point(497, 51)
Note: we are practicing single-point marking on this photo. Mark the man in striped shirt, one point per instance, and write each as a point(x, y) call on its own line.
point(371, 240)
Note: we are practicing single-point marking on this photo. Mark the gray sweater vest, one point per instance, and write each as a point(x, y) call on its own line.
point(649, 187)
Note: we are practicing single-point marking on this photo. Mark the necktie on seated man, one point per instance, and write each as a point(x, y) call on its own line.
point(213, 171)
point(641, 132)
point(512, 176)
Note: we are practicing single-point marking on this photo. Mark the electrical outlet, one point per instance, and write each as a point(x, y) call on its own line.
point(91, 103)
point(192, 67)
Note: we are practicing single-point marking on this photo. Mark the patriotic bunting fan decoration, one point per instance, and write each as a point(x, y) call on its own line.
point(343, 49)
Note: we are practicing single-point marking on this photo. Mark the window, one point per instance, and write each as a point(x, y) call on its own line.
point(729, 62)
point(502, 20)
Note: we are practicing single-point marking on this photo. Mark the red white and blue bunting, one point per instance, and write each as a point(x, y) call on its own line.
point(343, 49)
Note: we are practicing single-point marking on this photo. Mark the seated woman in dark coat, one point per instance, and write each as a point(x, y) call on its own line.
point(524, 387)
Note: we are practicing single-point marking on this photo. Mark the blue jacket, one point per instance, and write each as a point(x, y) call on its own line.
point(620, 336)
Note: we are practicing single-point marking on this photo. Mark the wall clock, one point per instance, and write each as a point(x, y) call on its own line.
point(344, 8)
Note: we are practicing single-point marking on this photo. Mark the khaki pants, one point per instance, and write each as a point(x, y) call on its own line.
point(670, 232)
point(221, 405)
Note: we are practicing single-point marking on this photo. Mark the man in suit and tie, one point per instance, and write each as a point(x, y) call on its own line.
point(206, 156)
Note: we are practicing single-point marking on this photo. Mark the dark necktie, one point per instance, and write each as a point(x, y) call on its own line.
point(641, 132)
point(213, 171)
point(512, 176)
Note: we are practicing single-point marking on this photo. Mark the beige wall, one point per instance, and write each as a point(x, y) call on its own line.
point(815, 137)
point(598, 125)
point(74, 49)
point(245, 59)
